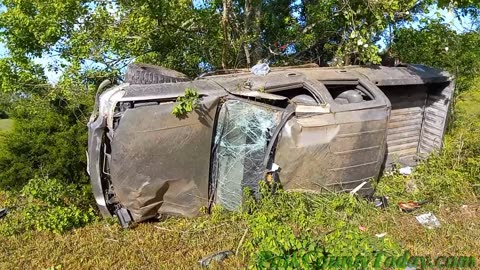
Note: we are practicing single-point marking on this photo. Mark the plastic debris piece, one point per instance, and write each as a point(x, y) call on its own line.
point(275, 167)
point(410, 268)
point(406, 170)
point(428, 220)
point(218, 257)
point(362, 228)
point(355, 190)
point(3, 212)
point(260, 69)
point(381, 235)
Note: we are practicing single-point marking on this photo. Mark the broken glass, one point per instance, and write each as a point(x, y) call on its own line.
point(242, 136)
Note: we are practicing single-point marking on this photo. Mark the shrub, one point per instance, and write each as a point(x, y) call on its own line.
point(49, 138)
point(436, 44)
point(46, 204)
point(298, 231)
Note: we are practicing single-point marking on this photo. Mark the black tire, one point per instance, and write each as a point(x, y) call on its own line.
point(150, 74)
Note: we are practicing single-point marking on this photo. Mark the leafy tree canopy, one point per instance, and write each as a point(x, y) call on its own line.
point(196, 36)
point(92, 40)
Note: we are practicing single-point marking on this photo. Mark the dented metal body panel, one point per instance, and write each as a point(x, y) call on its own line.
point(317, 129)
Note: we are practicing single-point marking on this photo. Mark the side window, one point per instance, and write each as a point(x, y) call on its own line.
point(281, 95)
point(300, 96)
point(348, 92)
point(244, 130)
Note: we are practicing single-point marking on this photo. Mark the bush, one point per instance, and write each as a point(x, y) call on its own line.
point(436, 44)
point(299, 231)
point(49, 138)
point(46, 204)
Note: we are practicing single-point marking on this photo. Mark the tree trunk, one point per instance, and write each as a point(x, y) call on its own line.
point(247, 30)
point(225, 27)
point(253, 31)
point(257, 31)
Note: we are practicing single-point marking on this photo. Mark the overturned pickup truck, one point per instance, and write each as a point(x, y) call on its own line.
point(317, 129)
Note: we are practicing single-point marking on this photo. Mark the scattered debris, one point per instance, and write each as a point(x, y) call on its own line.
point(410, 268)
point(241, 242)
point(405, 170)
point(411, 205)
point(362, 228)
point(355, 190)
point(260, 69)
point(428, 220)
point(275, 167)
point(381, 235)
point(379, 201)
point(124, 218)
point(3, 212)
point(218, 257)
point(272, 176)
point(408, 206)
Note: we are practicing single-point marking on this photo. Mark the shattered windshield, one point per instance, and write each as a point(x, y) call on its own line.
point(242, 135)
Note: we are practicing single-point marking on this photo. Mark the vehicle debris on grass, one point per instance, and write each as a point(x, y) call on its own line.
point(3, 212)
point(428, 220)
point(217, 257)
point(405, 170)
point(411, 205)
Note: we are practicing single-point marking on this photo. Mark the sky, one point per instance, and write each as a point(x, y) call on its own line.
point(449, 17)
point(460, 26)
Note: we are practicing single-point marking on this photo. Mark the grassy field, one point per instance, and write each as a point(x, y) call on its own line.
point(287, 223)
point(177, 245)
point(6, 124)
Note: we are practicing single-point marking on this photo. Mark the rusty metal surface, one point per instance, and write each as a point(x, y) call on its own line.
point(152, 163)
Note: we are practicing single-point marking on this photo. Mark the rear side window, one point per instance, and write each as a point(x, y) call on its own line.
point(298, 95)
point(348, 92)
point(282, 96)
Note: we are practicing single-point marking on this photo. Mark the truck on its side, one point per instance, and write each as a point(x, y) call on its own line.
point(315, 129)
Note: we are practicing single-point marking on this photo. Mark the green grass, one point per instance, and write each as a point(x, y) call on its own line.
point(6, 124)
point(287, 223)
point(179, 243)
